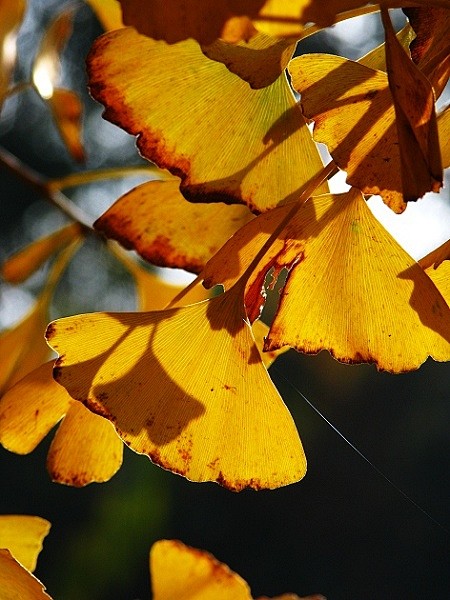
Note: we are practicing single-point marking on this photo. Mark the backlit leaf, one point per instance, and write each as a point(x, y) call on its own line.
point(444, 135)
point(356, 292)
point(67, 109)
point(11, 15)
point(258, 61)
point(441, 279)
point(187, 387)
point(436, 257)
point(155, 220)
point(185, 573)
point(415, 118)
point(23, 535)
point(25, 262)
point(108, 12)
point(23, 347)
point(16, 582)
point(227, 141)
point(353, 114)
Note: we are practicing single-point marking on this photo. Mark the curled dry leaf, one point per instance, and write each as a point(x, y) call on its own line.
point(355, 292)
point(249, 133)
point(187, 387)
point(23, 535)
point(155, 220)
point(17, 582)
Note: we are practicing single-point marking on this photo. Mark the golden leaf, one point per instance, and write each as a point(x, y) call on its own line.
point(155, 220)
point(187, 387)
point(436, 257)
point(441, 279)
point(415, 119)
point(17, 582)
point(25, 262)
point(443, 122)
point(355, 292)
point(353, 114)
point(11, 15)
point(249, 133)
point(67, 109)
point(23, 535)
point(258, 61)
point(185, 573)
point(108, 12)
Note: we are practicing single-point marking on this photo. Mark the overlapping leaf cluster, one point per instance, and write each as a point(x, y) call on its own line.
point(240, 196)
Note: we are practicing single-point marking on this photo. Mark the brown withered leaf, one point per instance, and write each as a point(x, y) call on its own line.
point(227, 141)
point(155, 220)
point(415, 118)
point(355, 292)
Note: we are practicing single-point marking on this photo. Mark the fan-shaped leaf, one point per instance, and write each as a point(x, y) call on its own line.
point(356, 292)
point(186, 387)
point(17, 582)
point(227, 141)
point(23, 535)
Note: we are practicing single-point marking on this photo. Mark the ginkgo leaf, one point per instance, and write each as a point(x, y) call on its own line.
point(260, 331)
point(415, 119)
point(185, 386)
point(11, 12)
point(155, 220)
point(353, 114)
point(67, 109)
point(436, 257)
point(355, 292)
point(185, 573)
point(258, 61)
point(443, 123)
point(108, 12)
point(23, 535)
point(441, 278)
point(16, 582)
point(30, 409)
point(25, 262)
point(249, 133)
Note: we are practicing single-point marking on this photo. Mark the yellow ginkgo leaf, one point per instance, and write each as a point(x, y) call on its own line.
point(259, 61)
point(249, 133)
point(353, 114)
point(30, 409)
point(355, 292)
point(24, 263)
point(444, 135)
point(436, 257)
point(108, 12)
point(441, 278)
point(23, 347)
point(11, 15)
point(23, 535)
point(155, 220)
point(185, 386)
point(16, 582)
point(86, 448)
point(415, 119)
point(67, 109)
point(260, 331)
point(185, 573)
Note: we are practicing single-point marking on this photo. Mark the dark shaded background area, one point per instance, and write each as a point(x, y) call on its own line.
point(343, 531)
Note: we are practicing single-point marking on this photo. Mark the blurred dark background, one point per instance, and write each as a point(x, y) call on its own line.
point(344, 531)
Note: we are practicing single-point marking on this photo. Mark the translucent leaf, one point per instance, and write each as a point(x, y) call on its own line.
point(260, 330)
point(376, 58)
point(23, 535)
point(30, 409)
point(25, 262)
point(187, 387)
point(185, 573)
point(86, 448)
point(441, 279)
point(227, 141)
point(258, 61)
point(11, 15)
point(155, 220)
point(353, 114)
point(67, 109)
point(23, 347)
point(108, 12)
point(436, 257)
point(356, 292)
point(415, 118)
point(444, 135)
point(16, 582)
